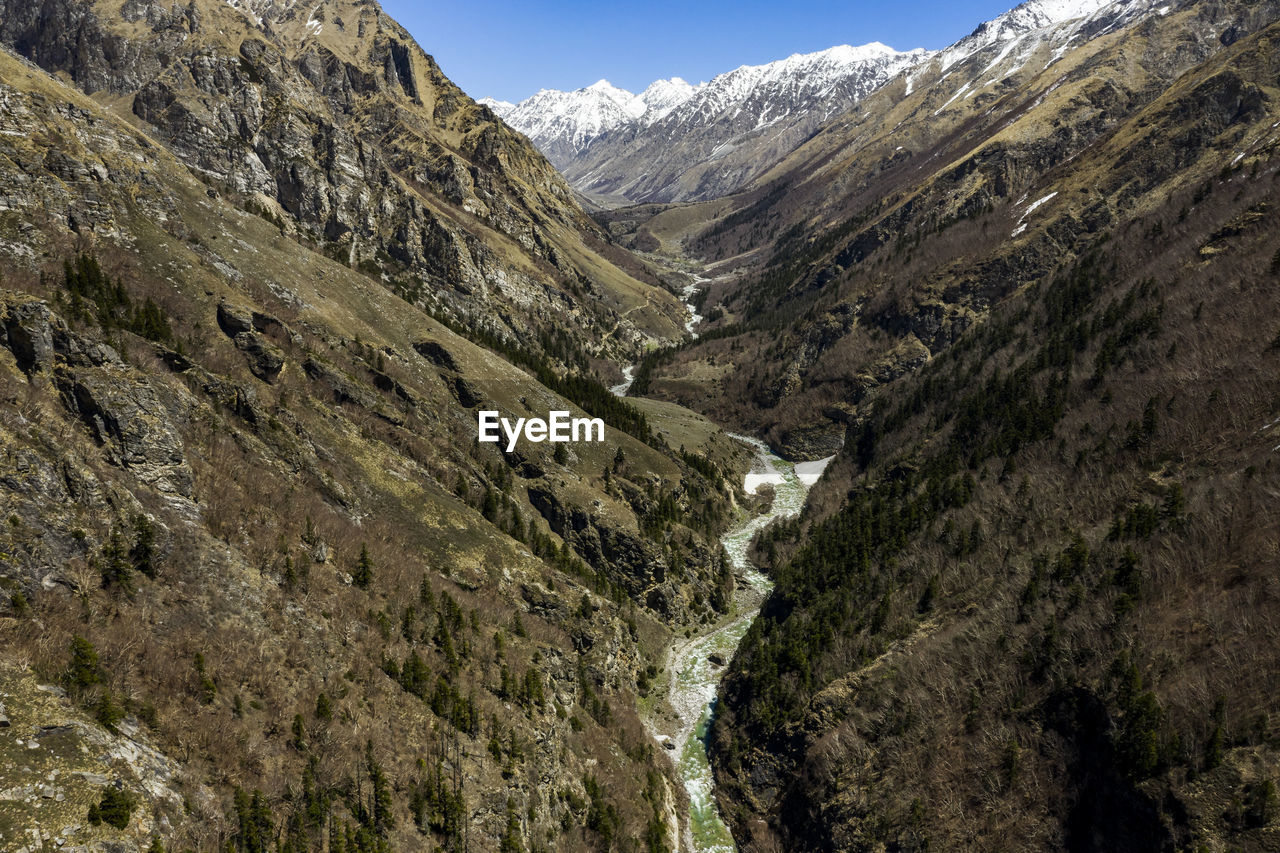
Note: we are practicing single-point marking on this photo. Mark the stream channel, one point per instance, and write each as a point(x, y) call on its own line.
point(694, 677)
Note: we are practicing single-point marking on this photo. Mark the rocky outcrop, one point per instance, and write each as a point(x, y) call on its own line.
point(244, 326)
point(266, 360)
point(633, 562)
point(120, 405)
point(28, 335)
point(435, 353)
point(129, 421)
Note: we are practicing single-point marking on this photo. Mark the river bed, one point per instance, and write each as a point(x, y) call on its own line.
point(695, 678)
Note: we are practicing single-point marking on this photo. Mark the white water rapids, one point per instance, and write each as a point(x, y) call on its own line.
point(695, 679)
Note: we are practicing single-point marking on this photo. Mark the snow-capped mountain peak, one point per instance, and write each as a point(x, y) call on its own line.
point(572, 119)
point(663, 96)
point(1038, 15)
point(564, 124)
point(499, 107)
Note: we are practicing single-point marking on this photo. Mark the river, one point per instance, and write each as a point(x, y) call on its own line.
point(695, 678)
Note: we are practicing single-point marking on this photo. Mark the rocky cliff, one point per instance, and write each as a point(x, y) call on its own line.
point(331, 122)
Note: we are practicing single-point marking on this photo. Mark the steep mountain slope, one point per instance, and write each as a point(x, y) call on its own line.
point(329, 118)
point(259, 584)
point(1031, 605)
point(876, 243)
point(677, 142)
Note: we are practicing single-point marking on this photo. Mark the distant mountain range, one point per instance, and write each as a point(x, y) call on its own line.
point(679, 142)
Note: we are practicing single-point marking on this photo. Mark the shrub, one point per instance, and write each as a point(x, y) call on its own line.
point(1262, 804)
point(107, 711)
point(114, 809)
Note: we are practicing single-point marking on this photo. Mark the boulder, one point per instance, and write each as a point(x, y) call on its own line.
point(436, 354)
point(266, 360)
point(234, 319)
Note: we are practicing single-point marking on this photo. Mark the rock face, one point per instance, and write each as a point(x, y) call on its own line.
point(338, 126)
point(637, 563)
point(118, 404)
point(126, 416)
point(29, 336)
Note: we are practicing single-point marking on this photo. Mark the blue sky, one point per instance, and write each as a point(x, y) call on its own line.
point(510, 49)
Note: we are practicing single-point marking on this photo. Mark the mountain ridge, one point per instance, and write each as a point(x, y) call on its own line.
point(596, 133)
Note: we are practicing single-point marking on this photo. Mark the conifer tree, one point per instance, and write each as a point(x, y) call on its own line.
point(363, 575)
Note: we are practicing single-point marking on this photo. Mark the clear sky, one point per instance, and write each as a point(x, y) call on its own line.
point(510, 49)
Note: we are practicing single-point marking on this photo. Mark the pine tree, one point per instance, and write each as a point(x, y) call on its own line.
point(107, 711)
point(384, 818)
point(115, 565)
point(512, 842)
point(299, 739)
point(363, 575)
point(83, 671)
point(207, 691)
point(143, 553)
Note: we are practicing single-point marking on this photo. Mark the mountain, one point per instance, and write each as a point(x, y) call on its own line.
point(677, 142)
point(969, 135)
point(261, 265)
point(1025, 293)
point(563, 123)
point(330, 118)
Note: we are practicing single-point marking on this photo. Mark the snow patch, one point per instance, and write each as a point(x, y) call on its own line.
point(763, 472)
point(810, 472)
point(1031, 208)
point(958, 93)
point(628, 376)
